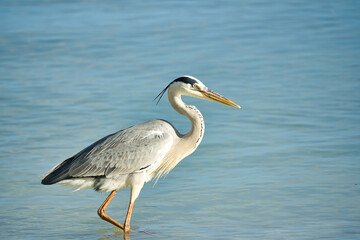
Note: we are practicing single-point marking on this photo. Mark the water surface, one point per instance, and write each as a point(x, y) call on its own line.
point(285, 166)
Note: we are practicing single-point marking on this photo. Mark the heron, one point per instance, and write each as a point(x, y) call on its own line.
point(135, 155)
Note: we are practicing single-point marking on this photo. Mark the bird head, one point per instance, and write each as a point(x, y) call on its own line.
point(190, 86)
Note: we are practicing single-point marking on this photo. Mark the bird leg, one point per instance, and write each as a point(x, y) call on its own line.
point(128, 217)
point(102, 214)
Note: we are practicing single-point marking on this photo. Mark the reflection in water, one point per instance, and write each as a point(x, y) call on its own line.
point(126, 236)
point(116, 236)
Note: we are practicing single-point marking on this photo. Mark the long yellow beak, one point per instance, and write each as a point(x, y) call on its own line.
point(213, 96)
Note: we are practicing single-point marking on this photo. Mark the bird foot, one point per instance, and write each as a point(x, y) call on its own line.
point(127, 228)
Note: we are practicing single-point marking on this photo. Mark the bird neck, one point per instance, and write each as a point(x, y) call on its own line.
point(193, 138)
point(187, 143)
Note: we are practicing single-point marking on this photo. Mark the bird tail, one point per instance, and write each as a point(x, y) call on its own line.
point(58, 173)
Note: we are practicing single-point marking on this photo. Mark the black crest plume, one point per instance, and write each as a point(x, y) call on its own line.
point(161, 93)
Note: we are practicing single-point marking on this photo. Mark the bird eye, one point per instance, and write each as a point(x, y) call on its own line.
point(194, 85)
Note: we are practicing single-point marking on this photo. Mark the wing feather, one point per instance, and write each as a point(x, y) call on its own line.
point(124, 152)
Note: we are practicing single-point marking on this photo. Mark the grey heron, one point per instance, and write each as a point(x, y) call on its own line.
point(137, 154)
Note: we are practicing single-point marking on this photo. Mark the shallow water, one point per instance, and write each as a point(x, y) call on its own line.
point(285, 166)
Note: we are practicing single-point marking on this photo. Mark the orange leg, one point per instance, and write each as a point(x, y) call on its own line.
point(128, 217)
point(102, 213)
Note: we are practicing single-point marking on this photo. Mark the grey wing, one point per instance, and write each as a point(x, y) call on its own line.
point(127, 151)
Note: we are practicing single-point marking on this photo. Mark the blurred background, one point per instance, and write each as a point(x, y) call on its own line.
point(285, 166)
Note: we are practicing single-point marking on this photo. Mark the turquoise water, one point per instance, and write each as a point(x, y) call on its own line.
point(285, 166)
